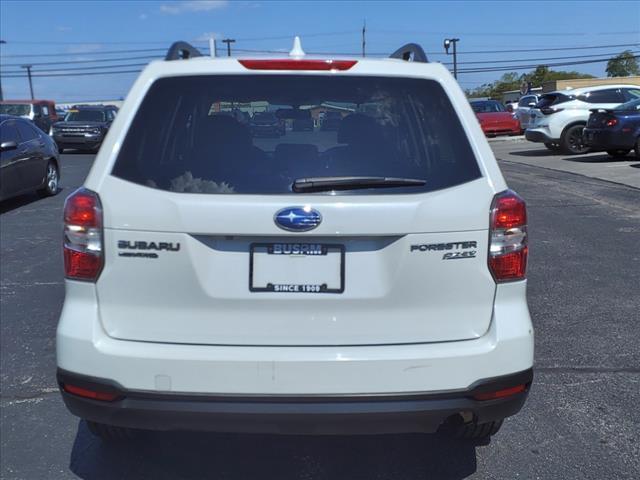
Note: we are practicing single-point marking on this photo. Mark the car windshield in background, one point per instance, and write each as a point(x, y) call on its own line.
point(384, 127)
point(632, 106)
point(17, 109)
point(487, 107)
point(85, 116)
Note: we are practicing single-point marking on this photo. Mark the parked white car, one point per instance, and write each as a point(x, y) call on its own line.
point(559, 117)
point(523, 112)
point(366, 280)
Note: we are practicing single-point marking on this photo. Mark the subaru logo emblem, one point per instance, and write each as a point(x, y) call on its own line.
point(297, 219)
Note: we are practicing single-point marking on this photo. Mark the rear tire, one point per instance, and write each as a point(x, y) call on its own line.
point(475, 431)
point(571, 141)
point(110, 433)
point(618, 153)
point(51, 181)
point(554, 147)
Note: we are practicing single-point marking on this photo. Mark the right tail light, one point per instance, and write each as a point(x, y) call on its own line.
point(508, 247)
point(83, 250)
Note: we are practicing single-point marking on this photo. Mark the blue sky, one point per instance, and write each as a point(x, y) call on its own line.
point(79, 31)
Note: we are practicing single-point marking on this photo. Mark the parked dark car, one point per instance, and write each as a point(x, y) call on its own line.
point(617, 130)
point(331, 121)
point(42, 113)
point(84, 127)
point(29, 159)
point(266, 124)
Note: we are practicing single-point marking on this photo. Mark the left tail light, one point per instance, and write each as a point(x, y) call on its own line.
point(508, 248)
point(83, 245)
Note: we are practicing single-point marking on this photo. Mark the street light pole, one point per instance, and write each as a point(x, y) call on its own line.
point(1, 97)
point(447, 44)
point(28, 67)
point(228, 41)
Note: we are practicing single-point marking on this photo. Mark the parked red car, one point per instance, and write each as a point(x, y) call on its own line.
point(494, 118)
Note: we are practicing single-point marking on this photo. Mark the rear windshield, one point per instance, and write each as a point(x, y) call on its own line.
point(85, 116)
point(17, 109)
point(632, 106)
point(191, 134)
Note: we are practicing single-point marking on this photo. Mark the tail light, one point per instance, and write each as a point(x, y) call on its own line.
point(83, 252)
point(508, 248)
point(293, 64)
point(549, 111)
point(612, 122)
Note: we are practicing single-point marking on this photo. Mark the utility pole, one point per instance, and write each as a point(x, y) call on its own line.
point(364, 32)
point(28, 67)
point(228, 41)
point(1, 97)
point(447, 44)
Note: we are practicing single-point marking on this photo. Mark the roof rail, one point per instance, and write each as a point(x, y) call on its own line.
point(182, 51)
point(411, 52)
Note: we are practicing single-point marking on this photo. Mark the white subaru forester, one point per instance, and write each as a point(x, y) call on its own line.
point(352, 262)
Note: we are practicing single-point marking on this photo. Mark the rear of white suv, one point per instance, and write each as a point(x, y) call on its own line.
point(364, 280)
point(559, 117)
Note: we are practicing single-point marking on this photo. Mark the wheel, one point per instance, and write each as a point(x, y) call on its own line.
point(110, 433)
point(51, 180)
point(554, 147)
point(618, 153)
point(475, 431)
point(571, 141)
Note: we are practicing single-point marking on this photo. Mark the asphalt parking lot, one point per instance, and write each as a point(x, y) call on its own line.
point(581, 421)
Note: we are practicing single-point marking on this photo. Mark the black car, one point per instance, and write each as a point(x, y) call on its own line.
point(29, 159)
point(266, 124)
point(616, 130)
point(84, 127)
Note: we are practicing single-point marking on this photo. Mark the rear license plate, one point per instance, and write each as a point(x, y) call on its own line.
point(296, 268)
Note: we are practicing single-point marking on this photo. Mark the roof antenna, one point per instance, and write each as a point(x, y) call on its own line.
point(297, 51)
point(212, 47)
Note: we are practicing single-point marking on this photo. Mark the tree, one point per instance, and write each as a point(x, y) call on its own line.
point(623, 65)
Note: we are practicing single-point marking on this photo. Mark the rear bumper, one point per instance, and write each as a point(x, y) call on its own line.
point(539, 136)
point(608, 140)
point(342, 414)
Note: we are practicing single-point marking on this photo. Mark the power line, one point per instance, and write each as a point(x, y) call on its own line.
point(99, 60)
point(530, 66)
point(478, 52)
point(82, 74)
point(79, 69)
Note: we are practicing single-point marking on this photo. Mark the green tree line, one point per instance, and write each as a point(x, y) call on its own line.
point(622, 65)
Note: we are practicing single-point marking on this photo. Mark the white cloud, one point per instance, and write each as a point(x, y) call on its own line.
point(176, 8)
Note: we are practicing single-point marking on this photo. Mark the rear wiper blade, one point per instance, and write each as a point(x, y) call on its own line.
point(321, 184)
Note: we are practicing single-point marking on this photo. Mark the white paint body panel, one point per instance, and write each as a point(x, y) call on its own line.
point(407, 321)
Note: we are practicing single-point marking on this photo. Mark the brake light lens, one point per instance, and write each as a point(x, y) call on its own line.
point(549, 111)
point(506, 392)
point(612, 122)
point(293, 64)
point(83, 251)
point(92, 394)
point(508, 249)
